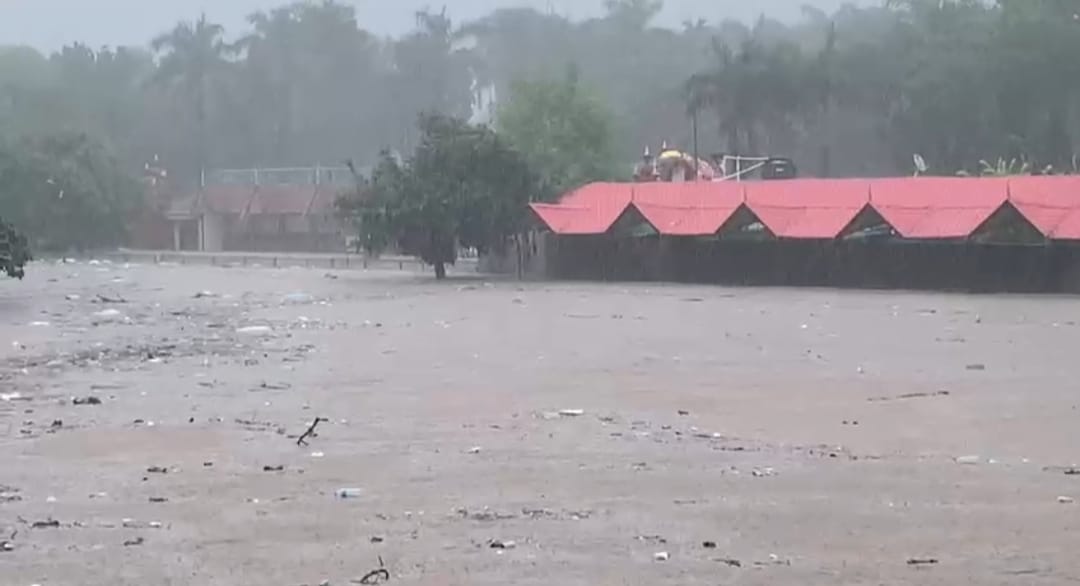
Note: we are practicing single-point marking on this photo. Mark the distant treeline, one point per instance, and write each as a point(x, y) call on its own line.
point(855, 92)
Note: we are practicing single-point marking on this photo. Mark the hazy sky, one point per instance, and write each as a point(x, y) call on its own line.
point(49, 24)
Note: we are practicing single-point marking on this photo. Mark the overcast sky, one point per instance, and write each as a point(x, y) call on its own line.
point(49, 24)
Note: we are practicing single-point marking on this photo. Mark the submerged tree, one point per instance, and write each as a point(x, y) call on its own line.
point(464, 186)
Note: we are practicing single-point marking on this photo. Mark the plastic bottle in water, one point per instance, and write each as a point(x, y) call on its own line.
point(348, 493)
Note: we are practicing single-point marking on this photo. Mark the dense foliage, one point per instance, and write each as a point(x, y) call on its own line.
point(14, 251)
point(562, 129)
point(66, 192)
point(855, 92)
point(464, 186)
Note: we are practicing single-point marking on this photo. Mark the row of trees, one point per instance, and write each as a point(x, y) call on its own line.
point(858, 91)
point(863, 90)
point(305, 83)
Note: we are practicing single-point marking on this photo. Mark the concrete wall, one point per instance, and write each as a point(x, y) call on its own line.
point(214, 228)
point(912, 265)
point(256, 242)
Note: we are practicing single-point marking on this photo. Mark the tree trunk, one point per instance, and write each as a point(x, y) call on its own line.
point(440, 270)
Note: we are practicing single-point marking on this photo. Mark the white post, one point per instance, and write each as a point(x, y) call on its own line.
point(202, 234)
point(176, 235)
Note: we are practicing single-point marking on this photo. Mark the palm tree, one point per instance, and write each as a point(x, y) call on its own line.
point(718, 89)
point(752, 92)
point(193, 55)
point(272, 59)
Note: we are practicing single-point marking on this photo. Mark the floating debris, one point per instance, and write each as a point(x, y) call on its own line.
point(348, 493)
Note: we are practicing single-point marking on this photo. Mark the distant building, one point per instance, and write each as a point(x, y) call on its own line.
point(262, 210)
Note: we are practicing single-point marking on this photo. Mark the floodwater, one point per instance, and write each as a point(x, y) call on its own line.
point(541, 433)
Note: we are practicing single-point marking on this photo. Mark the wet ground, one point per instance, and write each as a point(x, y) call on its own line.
point(498, 433)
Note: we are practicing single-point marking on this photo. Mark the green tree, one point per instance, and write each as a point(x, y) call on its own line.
point(464, 186)
point(14, 251)
point(317, 80)
point(564, 132)
point(369, 208)
point(29, 97)
point(66, 192)
point(102, 94)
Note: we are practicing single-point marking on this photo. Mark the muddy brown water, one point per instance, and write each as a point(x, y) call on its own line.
point(811, 436)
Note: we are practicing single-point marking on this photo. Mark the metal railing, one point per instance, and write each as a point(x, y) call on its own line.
point(317, 175)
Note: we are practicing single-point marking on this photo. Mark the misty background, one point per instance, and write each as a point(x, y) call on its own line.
point(50, 24)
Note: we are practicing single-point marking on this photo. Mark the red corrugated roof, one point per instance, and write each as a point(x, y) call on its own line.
point(938, 207)
point(598, 193)
point(807, 208)
point(1050, 203)
point(228, 199)
point(282, 200)
point(688, 209)
point(921, 207)
point(592, 209)
point(1068, 227)
point(564, 219)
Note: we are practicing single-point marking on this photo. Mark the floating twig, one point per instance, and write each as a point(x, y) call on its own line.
point(310, 433)
point(376, 576)
point(909, 396)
